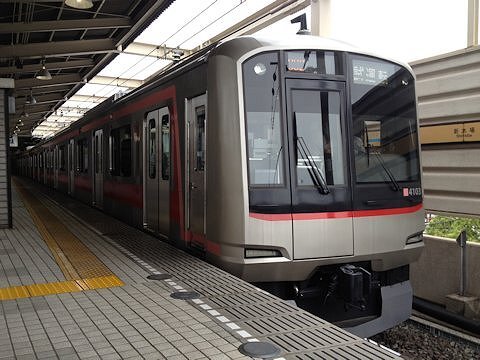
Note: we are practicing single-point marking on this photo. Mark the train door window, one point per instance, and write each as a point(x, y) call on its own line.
point(82, 155)
point(85, 155)
point(152, 149)
point(98, 153)
point(166, 146)
point(318, 136)
point(264, 130)
point(61, 157)
point(121, 151)
point(200, 138)
point(71, 156)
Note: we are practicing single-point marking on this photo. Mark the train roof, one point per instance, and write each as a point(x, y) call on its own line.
point(263, 43)
point(236, 48)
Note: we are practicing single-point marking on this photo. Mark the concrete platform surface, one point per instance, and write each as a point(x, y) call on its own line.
point(140, 319)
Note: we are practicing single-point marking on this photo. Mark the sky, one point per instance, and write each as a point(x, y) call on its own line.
point(405, 30)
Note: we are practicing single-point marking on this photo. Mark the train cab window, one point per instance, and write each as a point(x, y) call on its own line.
point(166, 146)
point(152, 149)
point(265, 148)
point(200, 138)
point(319, 136)
point(61, 157)
point(314, 61)
point(121, 151)
point(384, 118)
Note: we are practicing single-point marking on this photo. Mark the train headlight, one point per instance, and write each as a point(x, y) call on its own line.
point(260, 69)
point(261, 253)
point(415, 238)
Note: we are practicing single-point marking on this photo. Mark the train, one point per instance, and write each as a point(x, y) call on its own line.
point(291, 163)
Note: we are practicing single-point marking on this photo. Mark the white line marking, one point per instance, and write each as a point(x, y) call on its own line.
point(213, 312)
point(233, 326)
point(222, 319)
point(205, 307)
point(197, 301)
point(243, 333)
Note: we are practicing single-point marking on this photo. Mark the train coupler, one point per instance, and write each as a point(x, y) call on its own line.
point(356, 285)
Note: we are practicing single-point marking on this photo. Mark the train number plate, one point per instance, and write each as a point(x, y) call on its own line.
point(412, 191)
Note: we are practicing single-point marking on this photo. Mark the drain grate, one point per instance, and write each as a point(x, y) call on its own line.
point(241, 299)
point(253, 311)
point(360, 351)
point(312, 339)
point(284, 323)
point(159, 277)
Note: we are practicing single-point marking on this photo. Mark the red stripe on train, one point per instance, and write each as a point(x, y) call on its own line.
point(336, 214)
point(125, 193)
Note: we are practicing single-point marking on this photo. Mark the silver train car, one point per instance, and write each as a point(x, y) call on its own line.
point(293, 164)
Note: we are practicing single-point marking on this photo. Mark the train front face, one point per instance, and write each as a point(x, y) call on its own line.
point(333, 179)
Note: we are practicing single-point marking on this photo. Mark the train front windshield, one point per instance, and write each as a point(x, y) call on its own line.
point(318, 116)
point(384, 120)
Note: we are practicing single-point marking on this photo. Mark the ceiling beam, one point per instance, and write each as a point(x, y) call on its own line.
point(58, 48)
point(28, 1)
point(41, 99)
point(34, 109)
point(73, 64)
point(65, 25)
point(43, 91)
point(113, 81)
point(137, 48)
point(56, 80)
point(88, 98)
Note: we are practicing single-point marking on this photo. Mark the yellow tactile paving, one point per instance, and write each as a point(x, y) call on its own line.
point(82, 269)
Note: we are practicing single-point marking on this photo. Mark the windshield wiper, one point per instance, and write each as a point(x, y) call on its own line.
point(393, 181)
point(313, 170)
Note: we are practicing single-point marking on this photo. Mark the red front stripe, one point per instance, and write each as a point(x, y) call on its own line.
point(337, 214)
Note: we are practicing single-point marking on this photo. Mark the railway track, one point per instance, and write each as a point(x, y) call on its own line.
point(422, 337)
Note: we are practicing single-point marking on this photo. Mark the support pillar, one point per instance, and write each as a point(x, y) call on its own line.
point(472, 31)
point(321, 18)
point(5, 191)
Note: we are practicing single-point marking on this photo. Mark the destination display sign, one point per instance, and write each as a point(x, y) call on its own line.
point(372, 72)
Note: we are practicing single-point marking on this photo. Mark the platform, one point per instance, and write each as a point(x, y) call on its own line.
point(74, 286)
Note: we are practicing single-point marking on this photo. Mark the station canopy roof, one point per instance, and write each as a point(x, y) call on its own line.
point(110, 48)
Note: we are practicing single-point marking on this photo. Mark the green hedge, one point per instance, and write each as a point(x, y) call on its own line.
point(450, 227)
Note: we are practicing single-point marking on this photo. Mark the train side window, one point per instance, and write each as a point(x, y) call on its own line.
point(85, 155)
point(61, 157)
point(200, 138)
point(121, 151)
point(152, 149)
point(166, 147)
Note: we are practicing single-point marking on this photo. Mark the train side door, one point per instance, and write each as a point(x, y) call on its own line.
point(196, 142)
point(71, 166)
point(98, 168)
point(55, 167)
point(321, 190)
point(156, 160)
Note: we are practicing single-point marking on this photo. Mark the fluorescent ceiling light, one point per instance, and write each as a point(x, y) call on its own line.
point(79, 4)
